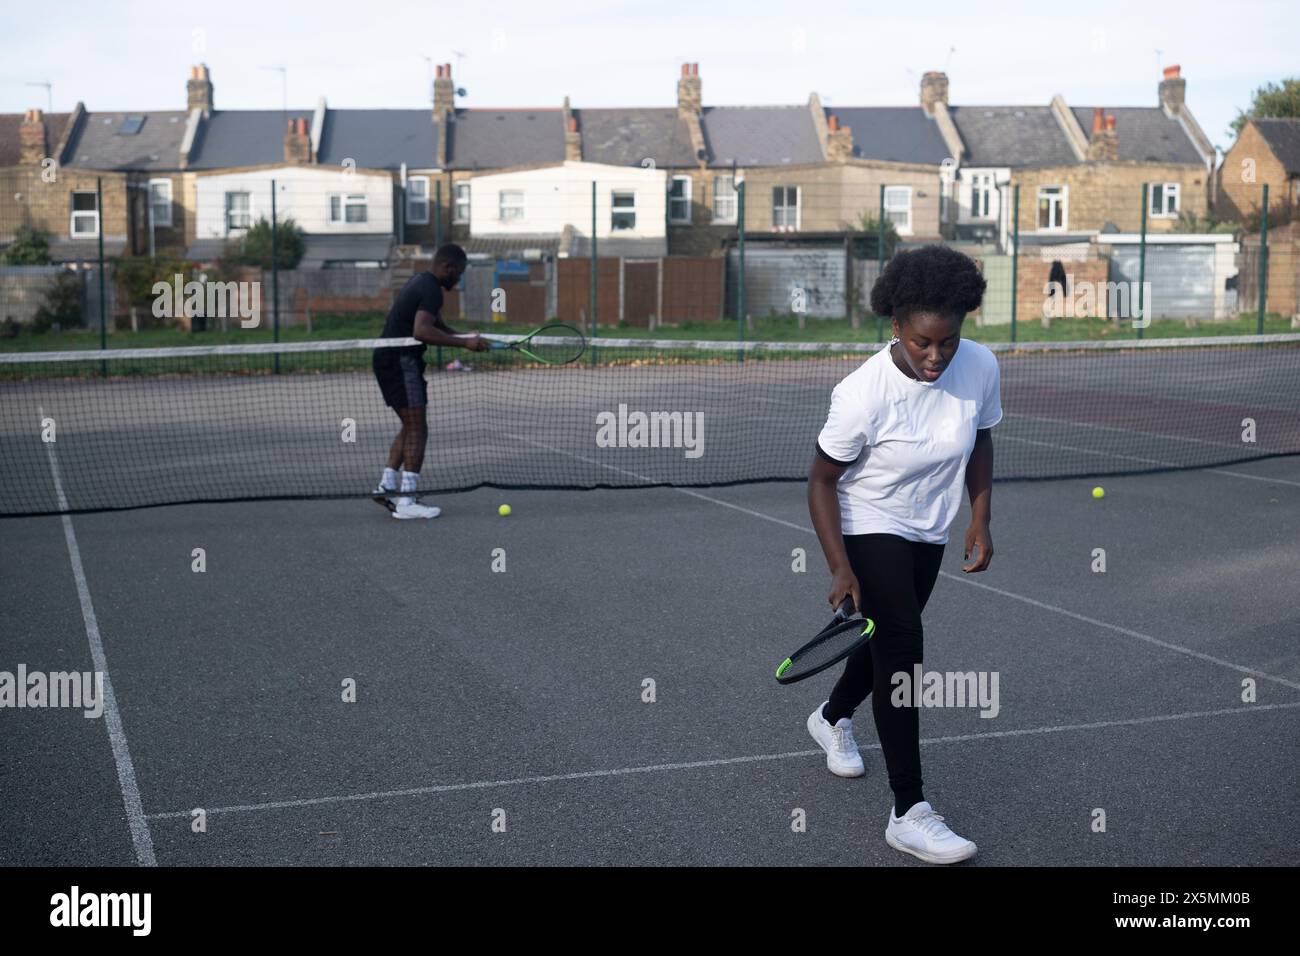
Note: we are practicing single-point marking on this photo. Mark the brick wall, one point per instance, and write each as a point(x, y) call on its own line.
point(1247, 166)
point(1104, 192)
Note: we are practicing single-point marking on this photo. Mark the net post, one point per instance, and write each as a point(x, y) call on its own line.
point(740, 264)
point(103, 303)
point(593, 273)
point(275, 277)
point(1015, 255)
point(1142, 263)
point(1263, 263)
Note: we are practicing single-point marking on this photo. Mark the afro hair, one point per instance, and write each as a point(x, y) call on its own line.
point(930, 279)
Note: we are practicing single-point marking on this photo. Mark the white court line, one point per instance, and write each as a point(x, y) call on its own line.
point(702, 764)
point(964, 580)
point(1148, 461)
point(135, 815)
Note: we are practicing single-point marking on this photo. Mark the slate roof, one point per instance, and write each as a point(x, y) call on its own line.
point(628, 137)
point(55, 124)
point(760, 135)
point(1145, 134)
point(1283, 137)
point(1013, 136)
point(495, 139)
point(379, 139)
point(901, 134)
point(230, 138)
point(100, 143)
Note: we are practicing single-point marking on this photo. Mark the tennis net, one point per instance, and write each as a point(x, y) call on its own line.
point(127, 428)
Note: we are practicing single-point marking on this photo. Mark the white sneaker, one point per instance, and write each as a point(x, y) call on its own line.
point(842, 757)
point(412, 510)
point(383, 497)
point(922, 833)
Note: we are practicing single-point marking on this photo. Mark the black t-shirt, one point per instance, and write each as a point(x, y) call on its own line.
point(421, 291)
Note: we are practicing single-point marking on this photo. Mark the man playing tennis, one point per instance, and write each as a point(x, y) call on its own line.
point(416, 313)
point(904, 429)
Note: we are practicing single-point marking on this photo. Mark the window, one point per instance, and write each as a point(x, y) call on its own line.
point(160, 202)
point(85, 215)
point(624, 211)
point(785, 207)
point(679, 200)
point(981, 196)
point(724, 199)
point(1052, 208)
point(511, 204)
point(898, 207)
point(350, 208)
point(417, 200)
point(460, 211)
point(130, 126)
point(239, 211)
point(1164, 200)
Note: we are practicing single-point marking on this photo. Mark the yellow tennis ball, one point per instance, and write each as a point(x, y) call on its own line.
point(1099, 492)
point(503, 510)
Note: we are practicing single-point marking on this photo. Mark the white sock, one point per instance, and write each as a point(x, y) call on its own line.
point(389, 480)
point(410, 481)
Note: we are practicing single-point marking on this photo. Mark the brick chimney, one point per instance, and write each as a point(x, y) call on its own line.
point(297, 143)
point(690, 92)
point(31, 139)
point(1103, 144)
point(572, 140)
point(934, 89)
point(1173, 90)
point(839, 140)
point(444, 92)
point(198, 90)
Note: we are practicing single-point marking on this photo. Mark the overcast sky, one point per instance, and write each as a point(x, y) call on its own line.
point(116, 56)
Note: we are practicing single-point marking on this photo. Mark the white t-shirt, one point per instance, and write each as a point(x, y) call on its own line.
point(907, 442)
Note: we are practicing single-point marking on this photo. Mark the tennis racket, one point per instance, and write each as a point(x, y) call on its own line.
point(837, 640)
point(554, 344)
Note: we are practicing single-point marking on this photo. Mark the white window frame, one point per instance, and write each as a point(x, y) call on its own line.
point(798, 208)
point(460, 202)
point(678, 218)
point(417, 201)
point(230, 228)
point(503, 206)
point(1168, 191)
point(982, 186)
point(75, 214)
point(1062, 202)
point(162, 207)
point(345, 203)
point(719, 201)
point(615, 209)
point(902, 226)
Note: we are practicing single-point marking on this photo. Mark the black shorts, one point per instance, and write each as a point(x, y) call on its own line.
point(401, 378)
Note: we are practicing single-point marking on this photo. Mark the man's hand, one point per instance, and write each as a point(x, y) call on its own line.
point(476, 343)
point(978, 537)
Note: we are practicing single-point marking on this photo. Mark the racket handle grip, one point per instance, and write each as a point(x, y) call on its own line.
point(846, 609)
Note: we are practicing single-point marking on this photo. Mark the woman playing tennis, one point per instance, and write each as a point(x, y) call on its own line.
point(903, 432)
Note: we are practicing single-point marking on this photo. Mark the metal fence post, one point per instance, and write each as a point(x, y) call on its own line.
point(275, 277)
point(740, 264)
point(1142, 264)
point(880, 257)
point(1263, 264)
point(593, 273)
point(1015, 255)
point(103, 301)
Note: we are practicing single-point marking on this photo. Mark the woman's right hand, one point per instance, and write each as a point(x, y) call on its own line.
point(843, 584)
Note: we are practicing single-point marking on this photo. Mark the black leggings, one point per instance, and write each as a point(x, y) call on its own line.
point(896, 577)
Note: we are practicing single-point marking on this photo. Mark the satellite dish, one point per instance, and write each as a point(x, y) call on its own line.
point(701, 153)
point(460, 91)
